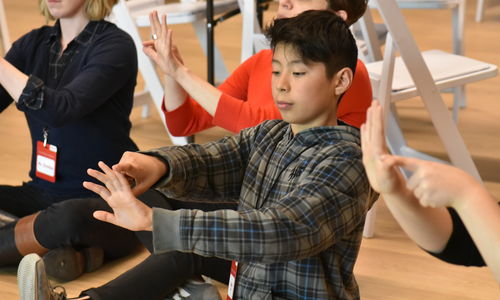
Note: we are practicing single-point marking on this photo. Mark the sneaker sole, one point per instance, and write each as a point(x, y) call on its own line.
point(26, 276)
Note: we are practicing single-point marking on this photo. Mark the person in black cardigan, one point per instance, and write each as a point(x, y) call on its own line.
point(74, 82)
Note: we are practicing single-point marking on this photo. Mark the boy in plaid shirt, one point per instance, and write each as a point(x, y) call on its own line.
point(299, 182)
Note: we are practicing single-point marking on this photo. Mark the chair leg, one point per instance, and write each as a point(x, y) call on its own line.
point(145, 111)
point(479, 10)
point(459, 101)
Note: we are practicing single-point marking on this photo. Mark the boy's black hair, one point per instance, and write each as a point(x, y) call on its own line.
point(317, 36)
point(354, 8)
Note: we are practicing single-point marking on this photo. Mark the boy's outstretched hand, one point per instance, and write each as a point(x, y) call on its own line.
point(128, 211)
point(142, 170)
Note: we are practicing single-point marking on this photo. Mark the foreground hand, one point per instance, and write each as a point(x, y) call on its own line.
point(128, 211)
point(436, 184)
point(162, 50)
point(383, 177)
point(143, 170)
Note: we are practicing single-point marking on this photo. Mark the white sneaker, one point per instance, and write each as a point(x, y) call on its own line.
point(33, 283)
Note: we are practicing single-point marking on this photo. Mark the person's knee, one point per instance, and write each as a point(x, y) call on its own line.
point(65, 222)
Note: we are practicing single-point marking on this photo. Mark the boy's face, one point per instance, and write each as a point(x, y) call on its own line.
point(291, 8)
point(302, 92)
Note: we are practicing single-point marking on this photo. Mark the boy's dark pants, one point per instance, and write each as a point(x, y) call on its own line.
point(159, 274)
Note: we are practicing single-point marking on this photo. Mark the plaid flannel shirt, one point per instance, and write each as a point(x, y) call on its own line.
point(302, 203)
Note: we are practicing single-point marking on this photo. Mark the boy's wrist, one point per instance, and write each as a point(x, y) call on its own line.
point(149, 218)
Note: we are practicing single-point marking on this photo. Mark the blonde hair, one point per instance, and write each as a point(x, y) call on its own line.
point(94, 9)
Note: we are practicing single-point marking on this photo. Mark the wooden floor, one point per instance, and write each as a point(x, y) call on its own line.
point(390, 266)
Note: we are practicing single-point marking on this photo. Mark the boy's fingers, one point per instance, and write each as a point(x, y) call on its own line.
point(105, 216)
point(98, 189)
point(118, 167)
point(112, 181)
point(97, 175)
point(123, 181)
point(130, 180)
point(104, 167)
point(139, 189)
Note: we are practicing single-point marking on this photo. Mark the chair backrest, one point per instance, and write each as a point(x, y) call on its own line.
point(401, 39)
point(457, 8)
point(369, 45)
point(4, 30)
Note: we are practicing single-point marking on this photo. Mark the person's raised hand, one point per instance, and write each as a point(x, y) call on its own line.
point(384, 178)
point(140, 170)
point(161, 48)
point(128, 211)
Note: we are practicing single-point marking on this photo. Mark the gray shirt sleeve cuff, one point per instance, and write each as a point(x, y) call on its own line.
point(166, 232)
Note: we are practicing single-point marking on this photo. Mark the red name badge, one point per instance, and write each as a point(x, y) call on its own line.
point(46, 158)
point(232, 280)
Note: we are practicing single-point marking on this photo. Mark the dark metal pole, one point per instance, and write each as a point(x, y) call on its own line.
point(210, 41)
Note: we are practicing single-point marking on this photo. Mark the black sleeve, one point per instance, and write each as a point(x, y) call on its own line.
point(112, 61)
point(460, 249)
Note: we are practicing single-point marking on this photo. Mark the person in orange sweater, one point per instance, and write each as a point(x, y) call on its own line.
point(244, 99)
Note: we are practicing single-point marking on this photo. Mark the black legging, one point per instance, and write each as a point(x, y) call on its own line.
point(70, 223)
point(63, 222)
point(160, 274)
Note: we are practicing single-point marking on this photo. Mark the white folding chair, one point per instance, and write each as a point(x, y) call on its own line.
point(457, 8)
point(421, 74)
point(4, 30)
point(129, 15)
